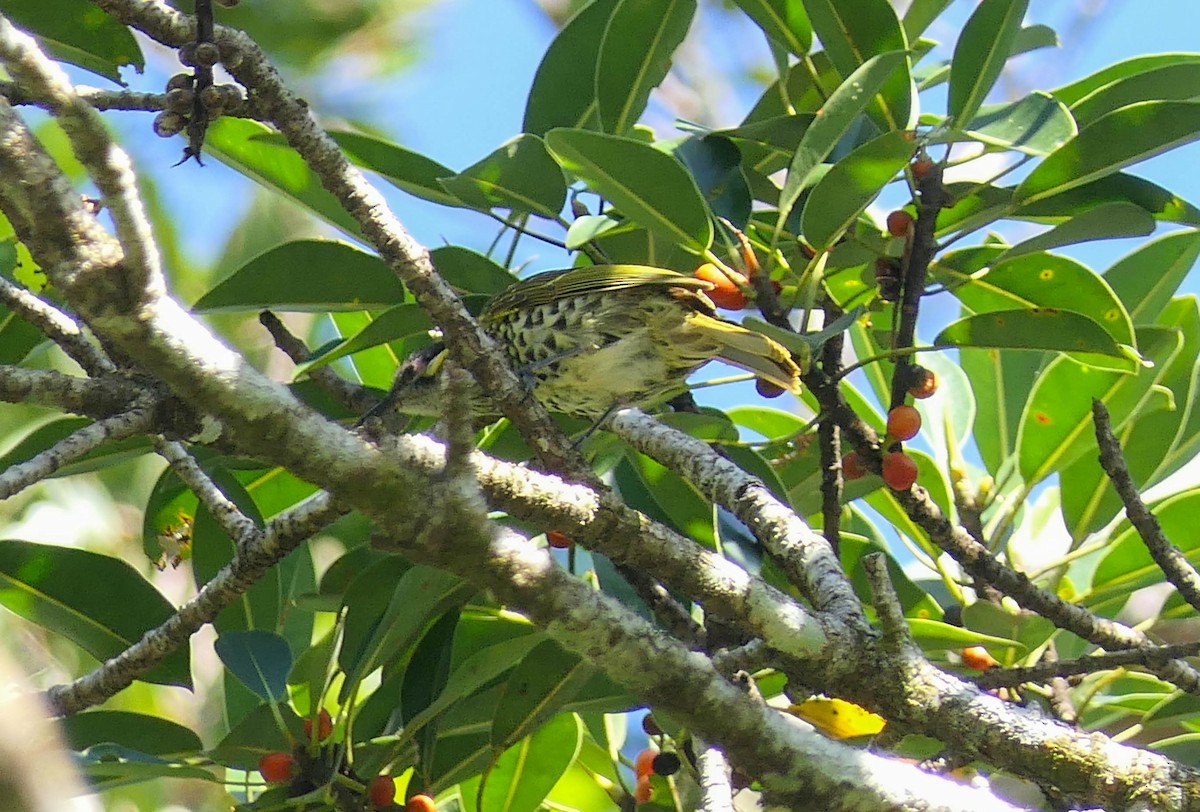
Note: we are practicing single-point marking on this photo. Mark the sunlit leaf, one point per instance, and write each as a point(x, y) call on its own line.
point(982, 49)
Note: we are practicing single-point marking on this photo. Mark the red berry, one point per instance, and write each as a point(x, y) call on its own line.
point(898, 223)
point(643, 791)
point(977, 658)
point(276, 767)
point(852, 467)
point(921, 166)
point(899, 470)
point(643, 765)
point(324, 726)
point(924, 383)
point(903, 422)
point(649, 726)
point(382, 790)
point(726, 292)
point(557, 540)
point(420, 803)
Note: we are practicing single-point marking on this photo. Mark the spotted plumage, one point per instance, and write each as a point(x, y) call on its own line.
point(588, 339)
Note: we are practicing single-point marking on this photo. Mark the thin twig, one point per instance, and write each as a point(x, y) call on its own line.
point(282, 535)
point(829, 443)
point(1170, 560)
point(236, 524)
point(71, 448)
point(56, 326)
point(1150, 657)
point(355, 398)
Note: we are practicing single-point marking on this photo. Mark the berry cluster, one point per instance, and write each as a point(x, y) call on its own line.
point(186, 97)
point(899, 471)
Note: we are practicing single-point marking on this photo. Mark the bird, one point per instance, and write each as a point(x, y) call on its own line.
point(590, 339)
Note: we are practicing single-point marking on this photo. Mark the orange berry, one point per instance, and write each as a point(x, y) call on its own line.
point(324, 726)
point(977, 658)
point(420, 803)
point(643, 791)
point(726, 292)
point(921, 166)
point(557, 540)
point(644, 763)
point(898, 223)
point(903, 422)
point(276, 767)
point(899, 470)
point(382, 790)
point(924, 383)
point(852, 467)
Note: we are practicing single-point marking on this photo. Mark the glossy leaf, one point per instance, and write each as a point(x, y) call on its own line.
point(153, 735)
point(470, 271)
point(1148, 277)
point(1088, 499)
point(564, 88)
point(254, 150)
point(715, 164)
point(1000, 382)
point(308, 275)
point(546, 679)
point(1039, 328)
point(258, 734)
point(645, 184)
point(519, 176)
point(523, 775)
point(838, 199)
point(1072, 93)
point(44, 584)
point(855, 32)
point(260, 659)
point(654, 489)
point(78, 32)
point(919, 15)
point(411, 171)
point(1108, 221)
point(982, 49)
point(1120, 187)
point(635, 56)
point(934, 635)
point(1047, 281)
point(769, 142)
point(1114, 141)
point(784, 21)
point(844, 106)
point(1169, 82)
point(1127, 565)
point(1056, 424)
point(1036, 124)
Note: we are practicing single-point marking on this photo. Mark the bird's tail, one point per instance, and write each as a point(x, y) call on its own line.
point(753, 352)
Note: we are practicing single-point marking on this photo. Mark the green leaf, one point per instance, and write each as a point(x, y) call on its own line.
point(770, 142)
point(662, 493)
point(853, 33)
point(519, 176)
point(1056, 423)
point(411, 171)
point(839, 198)
point(1127, 566)
point(1108, 221)
point(1038, 328)
point(839, 113)
point(546, 679)
point(78, 32)
point(258, 734)
point(635, 56)
point(784, 21)
point(1168, 82)
point(470, 271)
point(254, 150)
point(43, 584)
point(1000, 382)
point(919, 15)
point(523, 775)
point(261, 660)
point(307, 275)
point(1075, 91)
point(1160, 203)
point(934, 635)
point(137, 731)
point(1036, 125)
point(564, 87)
point(1113, 142)
point(1047, 281)
point(982, 49)
point(645, 184)
point(1147, 278)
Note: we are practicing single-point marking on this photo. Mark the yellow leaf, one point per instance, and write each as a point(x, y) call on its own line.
point(838, 718)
